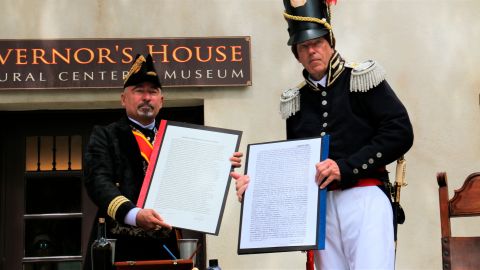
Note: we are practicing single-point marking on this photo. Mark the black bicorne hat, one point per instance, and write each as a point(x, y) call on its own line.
point(308, 19)
point(142, 70)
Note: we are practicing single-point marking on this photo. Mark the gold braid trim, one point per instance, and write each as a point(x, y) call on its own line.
point(135, 67)
point(335, 68)
point(115, 204)
point(308, 19)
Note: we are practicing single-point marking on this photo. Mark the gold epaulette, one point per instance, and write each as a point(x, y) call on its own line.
point(290, 101)
point(365, 75)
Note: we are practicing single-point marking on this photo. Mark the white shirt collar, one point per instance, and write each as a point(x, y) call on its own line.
point(149, 126)
point(322, 82)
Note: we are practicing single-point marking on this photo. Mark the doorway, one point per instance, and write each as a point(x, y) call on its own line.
point(45, 213)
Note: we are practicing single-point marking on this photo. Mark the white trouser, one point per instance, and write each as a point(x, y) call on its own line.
point(359, 231)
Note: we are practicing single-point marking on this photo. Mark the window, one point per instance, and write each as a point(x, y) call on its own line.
point(53, 203)
point(45, 214)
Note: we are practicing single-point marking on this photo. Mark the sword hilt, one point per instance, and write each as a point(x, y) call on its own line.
point(400, 174)
point(400, 177)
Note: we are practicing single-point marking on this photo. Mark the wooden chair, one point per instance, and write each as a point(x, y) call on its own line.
point(459, 252)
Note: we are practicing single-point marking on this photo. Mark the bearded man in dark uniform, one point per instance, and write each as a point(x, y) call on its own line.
point(115, 166)
point(369, 128)
point(115, 169)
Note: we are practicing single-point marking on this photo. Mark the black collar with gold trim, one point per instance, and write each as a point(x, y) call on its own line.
point(335, 67)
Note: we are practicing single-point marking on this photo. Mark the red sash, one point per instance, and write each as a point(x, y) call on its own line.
point(310, 265)
point(144, 145)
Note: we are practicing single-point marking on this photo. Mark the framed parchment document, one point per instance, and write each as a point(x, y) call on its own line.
point(283, 209)
point(188, 176)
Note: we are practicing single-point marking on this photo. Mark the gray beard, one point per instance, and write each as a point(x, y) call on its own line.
point(147, 113)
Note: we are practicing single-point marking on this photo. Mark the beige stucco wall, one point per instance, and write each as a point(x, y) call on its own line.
point(428, 47)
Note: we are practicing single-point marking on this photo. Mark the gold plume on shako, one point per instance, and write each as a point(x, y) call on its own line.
point(142, 70)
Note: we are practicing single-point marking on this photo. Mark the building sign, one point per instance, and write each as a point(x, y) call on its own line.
point(103, 63)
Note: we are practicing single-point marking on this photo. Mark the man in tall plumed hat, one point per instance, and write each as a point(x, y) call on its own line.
point(368, 127)
point(116, 159)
